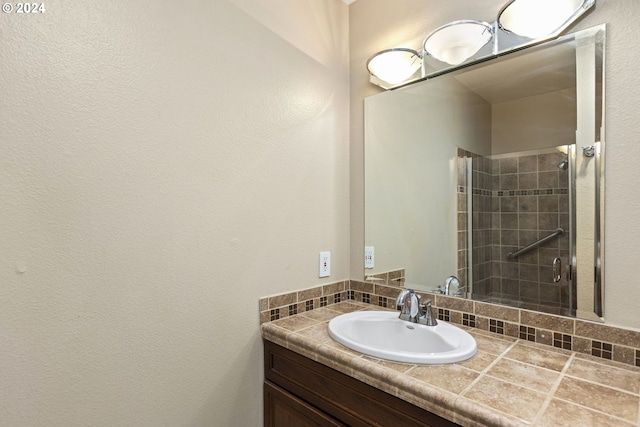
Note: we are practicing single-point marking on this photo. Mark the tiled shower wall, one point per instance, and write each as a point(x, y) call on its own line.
point(481, 249)
point(516, 201)
point(531, 202)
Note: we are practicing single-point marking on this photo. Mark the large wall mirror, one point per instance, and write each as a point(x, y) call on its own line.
point(493, 173)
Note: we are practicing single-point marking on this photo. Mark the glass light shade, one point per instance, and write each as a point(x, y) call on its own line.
point(458, 41)
point(537, 18)
point(395, 65)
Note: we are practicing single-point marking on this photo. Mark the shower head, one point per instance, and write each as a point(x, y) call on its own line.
point(564, 165)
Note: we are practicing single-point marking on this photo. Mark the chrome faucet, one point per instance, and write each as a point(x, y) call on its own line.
point(451, 280)
point(451, 287)
point(413, 311)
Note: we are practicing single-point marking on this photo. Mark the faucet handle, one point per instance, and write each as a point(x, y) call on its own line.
point(425, 306)
point(428, 318)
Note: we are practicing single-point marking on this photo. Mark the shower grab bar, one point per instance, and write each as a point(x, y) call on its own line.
point(513, 255)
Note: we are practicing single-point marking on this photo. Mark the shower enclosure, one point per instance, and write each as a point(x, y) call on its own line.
point(516, 225)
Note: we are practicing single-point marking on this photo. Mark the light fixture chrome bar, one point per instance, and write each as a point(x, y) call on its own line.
point(513, 255)
point(452, 45)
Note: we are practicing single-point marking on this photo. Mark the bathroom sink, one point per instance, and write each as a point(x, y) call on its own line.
point(383, 335)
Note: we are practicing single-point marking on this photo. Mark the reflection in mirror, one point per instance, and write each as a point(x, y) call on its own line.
point(493, 174)
point(519, 207)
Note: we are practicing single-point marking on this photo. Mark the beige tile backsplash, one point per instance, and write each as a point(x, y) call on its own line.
point(607, 342)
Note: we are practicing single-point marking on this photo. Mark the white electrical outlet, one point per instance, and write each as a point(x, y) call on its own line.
point(369, 260)
point(325, 264)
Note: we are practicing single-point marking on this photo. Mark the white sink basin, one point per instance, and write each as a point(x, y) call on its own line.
point(383, 335)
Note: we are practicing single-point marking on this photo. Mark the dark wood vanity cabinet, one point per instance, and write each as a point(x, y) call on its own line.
point(300, 392)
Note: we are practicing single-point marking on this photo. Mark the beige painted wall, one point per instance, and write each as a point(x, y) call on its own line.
point(162, 166)
point(534, 122)
point(400, 192)
point(380, 24)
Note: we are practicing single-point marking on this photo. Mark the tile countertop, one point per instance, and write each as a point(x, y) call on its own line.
point(509, 382)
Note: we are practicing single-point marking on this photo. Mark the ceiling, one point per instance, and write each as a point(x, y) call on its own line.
point(539, 71)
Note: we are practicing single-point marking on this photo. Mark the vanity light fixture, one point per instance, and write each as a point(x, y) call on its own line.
point(520, 23)
point(539, 18)
point(458, 41)
point(395, 65)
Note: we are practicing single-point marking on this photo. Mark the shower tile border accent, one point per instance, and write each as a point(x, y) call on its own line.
point(581, 336)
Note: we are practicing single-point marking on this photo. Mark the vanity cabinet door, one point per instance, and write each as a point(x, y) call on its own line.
point(338, 396)
point(283, 409)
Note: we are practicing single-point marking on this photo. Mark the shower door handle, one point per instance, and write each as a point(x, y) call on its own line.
point(557, 269)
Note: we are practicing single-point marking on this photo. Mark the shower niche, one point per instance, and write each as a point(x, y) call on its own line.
point(494, 173)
